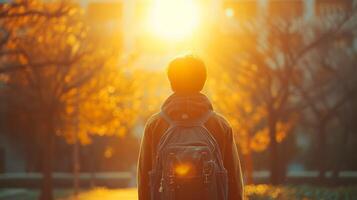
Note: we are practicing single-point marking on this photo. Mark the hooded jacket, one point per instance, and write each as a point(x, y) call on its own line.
point(186, 107)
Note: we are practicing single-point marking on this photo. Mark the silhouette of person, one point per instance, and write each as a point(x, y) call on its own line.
point(187, 75)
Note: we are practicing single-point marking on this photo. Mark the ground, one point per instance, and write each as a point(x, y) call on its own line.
point(94, 194)
point(253, 192)
point(102, 193)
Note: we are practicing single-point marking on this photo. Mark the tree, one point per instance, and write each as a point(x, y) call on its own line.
point(265, 58)
point(328, 85)
point(25, 11)
point(246, 115)
point(64, 76)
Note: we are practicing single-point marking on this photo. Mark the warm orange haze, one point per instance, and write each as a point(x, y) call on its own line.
point(80, 78)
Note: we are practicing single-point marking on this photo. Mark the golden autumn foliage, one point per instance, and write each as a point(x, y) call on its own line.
point(106, 105)
point(113, 103)
point(70, 71)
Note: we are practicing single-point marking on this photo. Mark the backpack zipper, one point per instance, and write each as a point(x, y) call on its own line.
point(161, 189)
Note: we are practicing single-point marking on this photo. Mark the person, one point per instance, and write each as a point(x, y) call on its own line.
point(187, 75)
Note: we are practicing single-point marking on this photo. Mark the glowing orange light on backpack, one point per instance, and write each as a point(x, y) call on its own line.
point(182, 169)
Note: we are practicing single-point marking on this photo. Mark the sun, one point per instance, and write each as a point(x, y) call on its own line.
point(173, 19)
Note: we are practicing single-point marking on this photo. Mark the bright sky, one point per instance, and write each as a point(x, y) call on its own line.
point(174, 19)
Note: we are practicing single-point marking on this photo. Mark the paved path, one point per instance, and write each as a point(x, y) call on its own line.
point(107, 194)
point(95, 194)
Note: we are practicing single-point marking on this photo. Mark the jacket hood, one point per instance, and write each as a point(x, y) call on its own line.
point(186, 106)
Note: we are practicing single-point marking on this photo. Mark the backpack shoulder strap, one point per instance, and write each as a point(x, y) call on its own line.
point(167, 118)
point(214, 142)
point(204, 118)
point(166, 134)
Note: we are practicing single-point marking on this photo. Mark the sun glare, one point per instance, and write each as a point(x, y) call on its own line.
point(229, 12)
point(174, 19)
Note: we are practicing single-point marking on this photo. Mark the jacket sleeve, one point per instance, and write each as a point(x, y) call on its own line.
point(233, 166)
point(144, 165)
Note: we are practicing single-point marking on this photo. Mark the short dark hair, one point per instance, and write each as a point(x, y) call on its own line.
point(187, 74)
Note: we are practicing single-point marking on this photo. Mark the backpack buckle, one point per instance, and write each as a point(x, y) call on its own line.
point(171, 179)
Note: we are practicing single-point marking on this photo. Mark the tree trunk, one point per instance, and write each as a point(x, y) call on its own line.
point(284, 159)
point(93, 166)
point(274, 155)
point(47, 163)
point(76, 166)
point(321, 151)
point(339, 160)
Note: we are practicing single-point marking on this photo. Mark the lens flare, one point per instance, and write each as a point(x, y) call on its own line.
point(229, 12)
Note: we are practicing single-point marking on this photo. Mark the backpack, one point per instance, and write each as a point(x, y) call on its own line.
point(188, 164)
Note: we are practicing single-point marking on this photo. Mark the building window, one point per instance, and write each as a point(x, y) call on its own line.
point(327, 7)
point(285, 9)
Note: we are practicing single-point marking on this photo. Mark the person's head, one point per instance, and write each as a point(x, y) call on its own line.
point(187, 74)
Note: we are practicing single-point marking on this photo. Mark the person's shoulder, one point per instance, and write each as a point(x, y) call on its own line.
point(219, 121)
point(153, 119)
point(221, 125)
point(222, 120)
